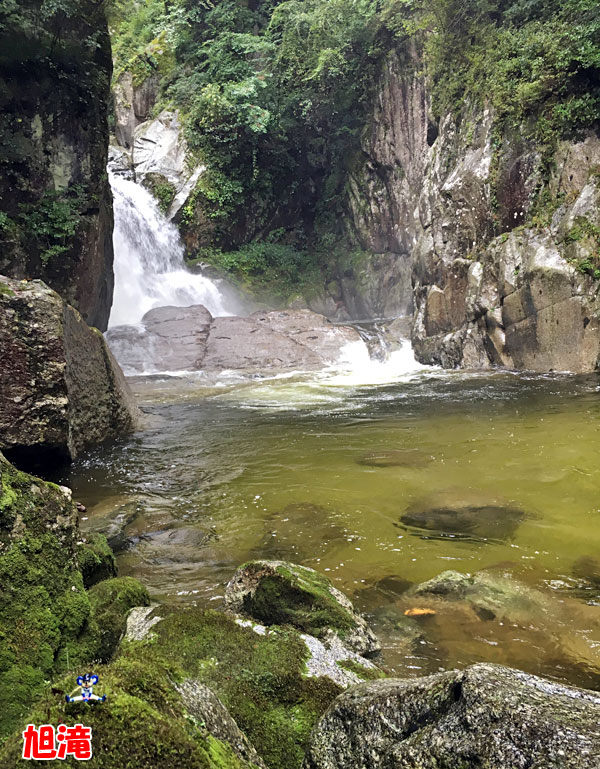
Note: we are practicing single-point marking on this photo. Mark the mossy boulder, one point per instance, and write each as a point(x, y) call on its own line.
point(143, 724)
point(485, 716)
point(275, 681)
point(281, 593)
point(48, 621)
point(96, 559)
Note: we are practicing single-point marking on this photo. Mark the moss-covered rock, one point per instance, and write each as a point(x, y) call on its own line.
point(110, 602)
point(48, 621)
point(142, 725)
point(259, 674)
point(96, 559)
point(281, 593)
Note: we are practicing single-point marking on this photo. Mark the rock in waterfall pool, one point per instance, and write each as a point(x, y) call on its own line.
point(381, 486)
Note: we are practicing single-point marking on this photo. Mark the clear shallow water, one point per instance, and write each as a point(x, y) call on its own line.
point(233, 469)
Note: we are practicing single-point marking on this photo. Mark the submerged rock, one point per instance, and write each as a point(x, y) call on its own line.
point(396, 458)
point(588, 568)
point(491, 596)
point(281, 593)
point(464, 514)
point(65, 391)
point(486, 715)
point(301, 531)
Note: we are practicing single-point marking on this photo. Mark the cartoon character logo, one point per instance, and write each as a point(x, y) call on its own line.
point(86, 683)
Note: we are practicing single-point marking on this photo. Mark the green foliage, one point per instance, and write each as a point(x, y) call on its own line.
point(52, 221)
point(532, 61)
point(270, 270)
point(275, 95)
point(162, 189)
point(586, 233)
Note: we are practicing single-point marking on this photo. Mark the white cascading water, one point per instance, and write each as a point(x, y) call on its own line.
point(149, 266)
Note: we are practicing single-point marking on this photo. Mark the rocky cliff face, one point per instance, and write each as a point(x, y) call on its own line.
point(497, 277)
point(55, 204)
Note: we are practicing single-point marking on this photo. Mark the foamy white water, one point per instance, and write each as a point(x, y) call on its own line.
point(356, 368)
point(149, 266)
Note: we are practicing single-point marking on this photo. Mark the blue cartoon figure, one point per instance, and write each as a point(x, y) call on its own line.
point(86, 683)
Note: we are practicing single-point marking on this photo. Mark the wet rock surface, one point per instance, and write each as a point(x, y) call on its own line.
point(188, 338)
point(65, 391)
point(280, 593)
point(485, 715)
point(465, 515)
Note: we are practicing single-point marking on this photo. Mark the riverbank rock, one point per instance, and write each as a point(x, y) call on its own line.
point(64, 390)
point(465, 514)
point(48, 621)
point(486, 715)
point(188, 338)
point(55, 201)
point(281, 593)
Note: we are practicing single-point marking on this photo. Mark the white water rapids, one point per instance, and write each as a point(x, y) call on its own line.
point(150, 272)
point(149, 267)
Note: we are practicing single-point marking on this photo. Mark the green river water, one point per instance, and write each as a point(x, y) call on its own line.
point(232, 469)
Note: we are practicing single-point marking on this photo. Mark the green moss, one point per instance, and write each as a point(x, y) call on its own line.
point(299, 597)
point(260, 679)
point(110, 602)
point(48, 622)
point(367, 674)
point(587, 234)
point(142, 724)
point(6, 290)
point(162, 190)
point(96, 559)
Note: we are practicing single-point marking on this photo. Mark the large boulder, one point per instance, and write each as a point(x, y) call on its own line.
point(274, 681)
point(65, 390)
point(486, 715)
point(188, 338)
point(55, 203)
point(282, 593)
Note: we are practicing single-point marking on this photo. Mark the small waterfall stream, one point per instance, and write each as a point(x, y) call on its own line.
point(149, 266)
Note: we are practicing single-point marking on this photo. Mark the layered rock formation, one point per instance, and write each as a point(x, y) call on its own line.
point(188, 338)
point(61, 388)
point(55, 203)
point(492, 283)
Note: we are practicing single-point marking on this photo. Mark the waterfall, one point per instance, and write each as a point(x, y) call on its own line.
point(149, 265)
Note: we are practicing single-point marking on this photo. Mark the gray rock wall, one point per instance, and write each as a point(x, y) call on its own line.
point(55, 202)
point(490, 283)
